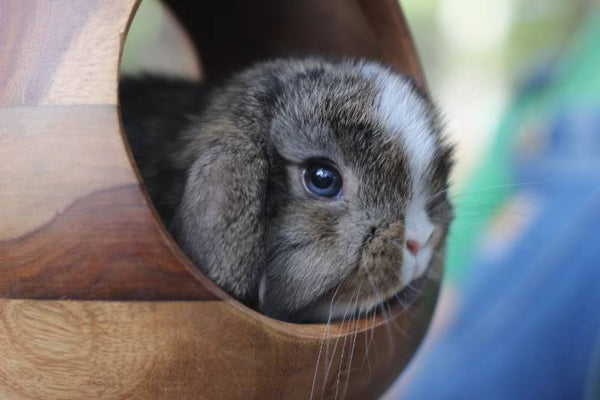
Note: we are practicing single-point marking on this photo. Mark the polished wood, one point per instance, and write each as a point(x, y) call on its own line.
point(189, 350)
point(232, 34)
point(75, 221)
point(61, 52)
point(96, 300)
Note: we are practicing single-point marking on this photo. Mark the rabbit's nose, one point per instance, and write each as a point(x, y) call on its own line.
point(413, 246)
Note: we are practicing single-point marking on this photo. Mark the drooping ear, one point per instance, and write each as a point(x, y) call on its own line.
point(220, 221)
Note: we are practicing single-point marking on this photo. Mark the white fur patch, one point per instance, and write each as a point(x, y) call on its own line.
point(418, 225)
point(403, 114)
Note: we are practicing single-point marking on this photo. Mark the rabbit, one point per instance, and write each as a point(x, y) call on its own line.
point(309, 189)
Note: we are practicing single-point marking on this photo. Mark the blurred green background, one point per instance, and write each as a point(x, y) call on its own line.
point(475, 55)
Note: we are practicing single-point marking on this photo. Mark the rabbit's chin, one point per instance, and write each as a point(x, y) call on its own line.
point(388, 303)
point(385, 299)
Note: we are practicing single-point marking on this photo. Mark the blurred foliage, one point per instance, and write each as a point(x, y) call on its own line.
point(476, 55)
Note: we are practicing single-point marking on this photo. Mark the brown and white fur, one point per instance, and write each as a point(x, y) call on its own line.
point(224, 166)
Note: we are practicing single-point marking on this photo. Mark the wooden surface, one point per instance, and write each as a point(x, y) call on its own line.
point(74, 220)
point(75, 223)
point(235, 33)
point(96, 301)
point(61, 52)
point(187, 350)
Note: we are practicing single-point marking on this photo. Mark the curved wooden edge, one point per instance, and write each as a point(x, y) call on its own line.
point(164, 350)
point(75, 221)
point(394, 41)
point(57, 52)
point(232, 34)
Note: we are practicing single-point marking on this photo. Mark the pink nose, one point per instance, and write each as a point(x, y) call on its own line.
point(412, 246)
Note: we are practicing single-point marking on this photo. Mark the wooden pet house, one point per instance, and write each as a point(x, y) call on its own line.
point(96, 300)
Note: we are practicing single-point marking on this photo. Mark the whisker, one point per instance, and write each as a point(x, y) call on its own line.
point(441, 192)
point(325, 332)
point(368, 342)
point(331, 359)
point(339, 374)
point(352, 348)
point(392, 323)
point(343, 348)
point(380, 300)
point(505, 186)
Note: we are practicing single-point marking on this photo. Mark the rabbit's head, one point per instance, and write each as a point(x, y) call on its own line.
point(318, 189)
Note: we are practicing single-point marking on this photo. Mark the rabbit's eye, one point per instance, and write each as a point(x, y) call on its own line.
point(322, 180)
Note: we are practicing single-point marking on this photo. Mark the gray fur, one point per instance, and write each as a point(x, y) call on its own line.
point(224, 167)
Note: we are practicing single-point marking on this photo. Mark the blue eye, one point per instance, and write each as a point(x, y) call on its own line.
point(322, 180)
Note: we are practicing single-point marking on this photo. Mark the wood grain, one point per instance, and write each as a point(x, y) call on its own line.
point(61, 52)
point(53, 155)
point(190, 350)
point(140, 321)
point(105, 246)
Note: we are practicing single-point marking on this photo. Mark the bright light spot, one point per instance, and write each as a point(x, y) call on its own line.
point(476, 24)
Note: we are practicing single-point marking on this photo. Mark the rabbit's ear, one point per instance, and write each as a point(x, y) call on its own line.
point(220, 220)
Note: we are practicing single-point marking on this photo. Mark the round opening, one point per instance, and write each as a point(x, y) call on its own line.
point(157, 44)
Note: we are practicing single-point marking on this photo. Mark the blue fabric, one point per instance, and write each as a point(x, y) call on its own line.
point(529, 324)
